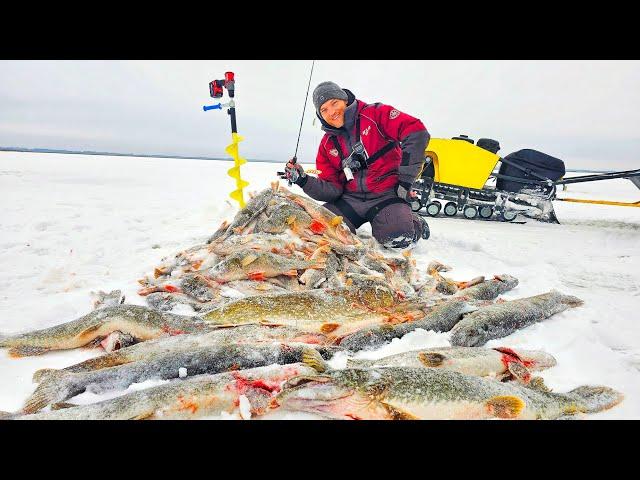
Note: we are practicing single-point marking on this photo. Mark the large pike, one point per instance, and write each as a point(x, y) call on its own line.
point(197, 361)
point(335, 312)
point(200, 396)
point(502, 319)
point(503, 363)
point(139, 322)
point(406, 393)
point(253, 333)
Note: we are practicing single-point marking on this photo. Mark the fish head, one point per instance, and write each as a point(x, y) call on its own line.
point(533, 359)
point(508, 282)
point(470, 335)
point(318, 394)
point(227, 268)
point(571, 300)
point(371, 290)
point(117, 340)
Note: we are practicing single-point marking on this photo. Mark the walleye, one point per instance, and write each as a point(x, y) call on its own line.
point(252, 265)
point(141, 323)
point(503, 363)
point(502, 319)
point(205, 395)
point(334, 312)
point(406, 393)
point(252, 333)
point(284, 216)
point(440, 319)
point(477, 288)
point(262, 242)
point(352, 252)
point(187, 260)
point(253, 287)
point(489, 289)
point(210, 359)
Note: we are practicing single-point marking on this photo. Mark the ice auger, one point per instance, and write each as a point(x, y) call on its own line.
point(216, 90)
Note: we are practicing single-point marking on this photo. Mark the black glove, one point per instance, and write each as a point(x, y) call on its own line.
point(294, 173)
point(403, 190)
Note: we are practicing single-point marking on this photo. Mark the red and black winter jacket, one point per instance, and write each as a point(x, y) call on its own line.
point(379, 125)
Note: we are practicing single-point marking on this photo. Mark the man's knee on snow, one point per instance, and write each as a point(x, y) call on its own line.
point(393, 227)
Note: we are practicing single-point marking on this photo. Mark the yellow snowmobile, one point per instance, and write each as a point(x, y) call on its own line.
point(460, 176)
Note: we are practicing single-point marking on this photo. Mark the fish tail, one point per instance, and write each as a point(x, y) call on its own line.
point(43, 373)
point(48, 392)
point(26, 351)
point(593, 399)
point(8, 415)
point(312, 358)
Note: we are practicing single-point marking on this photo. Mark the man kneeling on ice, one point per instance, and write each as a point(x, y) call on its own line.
point(368, 159)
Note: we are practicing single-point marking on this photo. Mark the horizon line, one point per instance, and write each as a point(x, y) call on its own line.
point(181, 157)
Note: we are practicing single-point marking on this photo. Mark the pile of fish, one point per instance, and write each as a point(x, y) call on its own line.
point(248, 323)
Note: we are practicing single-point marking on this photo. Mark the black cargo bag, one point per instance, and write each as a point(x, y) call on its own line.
point(528, 164)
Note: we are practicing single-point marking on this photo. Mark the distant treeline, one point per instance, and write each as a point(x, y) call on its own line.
point(91, 152)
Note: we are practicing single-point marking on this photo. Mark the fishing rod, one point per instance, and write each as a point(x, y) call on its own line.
point(293, 174)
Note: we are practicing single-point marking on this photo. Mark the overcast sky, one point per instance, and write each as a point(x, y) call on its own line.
point(584, 112)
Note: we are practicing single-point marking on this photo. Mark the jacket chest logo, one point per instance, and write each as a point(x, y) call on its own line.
point(333, 152)
point(366, 130)
point(393, 114)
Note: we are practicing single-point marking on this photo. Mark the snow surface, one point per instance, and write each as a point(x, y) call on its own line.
point(73, 224)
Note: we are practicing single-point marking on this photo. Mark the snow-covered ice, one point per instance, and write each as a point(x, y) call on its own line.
point(73, 224)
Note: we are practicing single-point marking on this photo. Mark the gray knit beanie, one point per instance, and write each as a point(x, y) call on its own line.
point(326, 91)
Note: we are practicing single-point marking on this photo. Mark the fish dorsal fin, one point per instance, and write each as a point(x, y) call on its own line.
point(335, 221)
point(248, 259)
point(505, 406)
point(431, 359)
point(312, 358)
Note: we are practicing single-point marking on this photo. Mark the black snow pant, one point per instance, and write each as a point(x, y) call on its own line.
point(393, 224)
